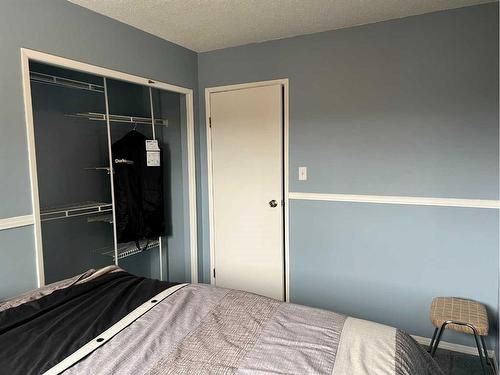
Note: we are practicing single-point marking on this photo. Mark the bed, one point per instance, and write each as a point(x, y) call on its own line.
point(108, 321)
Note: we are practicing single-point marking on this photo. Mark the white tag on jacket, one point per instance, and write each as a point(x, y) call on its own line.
point(153, 158)
point(152, 153)
point(152, 145)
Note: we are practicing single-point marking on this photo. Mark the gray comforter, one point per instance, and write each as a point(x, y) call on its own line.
point(202, 329)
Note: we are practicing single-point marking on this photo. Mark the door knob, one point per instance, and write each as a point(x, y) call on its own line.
point(273, 203)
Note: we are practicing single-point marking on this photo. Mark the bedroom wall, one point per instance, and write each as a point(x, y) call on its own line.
point(405, 107)
point(61, 28)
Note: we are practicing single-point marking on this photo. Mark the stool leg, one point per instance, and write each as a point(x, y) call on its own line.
point(438, 339)
point(432, 340)
point(485, 350)
point(489, 362)
point(480, 351)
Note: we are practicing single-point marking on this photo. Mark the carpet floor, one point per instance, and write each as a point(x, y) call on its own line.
point(453, 363)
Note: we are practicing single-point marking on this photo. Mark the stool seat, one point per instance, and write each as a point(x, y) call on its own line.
point(459, 310)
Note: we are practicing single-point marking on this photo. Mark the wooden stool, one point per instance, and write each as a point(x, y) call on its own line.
point(461, 315)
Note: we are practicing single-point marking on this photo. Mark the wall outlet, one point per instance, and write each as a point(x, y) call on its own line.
point(302, 173)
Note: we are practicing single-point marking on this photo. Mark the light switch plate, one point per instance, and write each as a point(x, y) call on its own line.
point(302, 173)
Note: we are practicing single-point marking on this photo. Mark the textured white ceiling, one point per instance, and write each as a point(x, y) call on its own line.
point(204, 25)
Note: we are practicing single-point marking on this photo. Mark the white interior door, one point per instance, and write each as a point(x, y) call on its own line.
point(247, 183)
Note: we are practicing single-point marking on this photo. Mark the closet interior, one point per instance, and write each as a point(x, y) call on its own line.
point(88, 190)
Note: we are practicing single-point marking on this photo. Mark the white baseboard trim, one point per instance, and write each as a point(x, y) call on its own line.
point(16, 222)
point(391, 199)
point(471, 350)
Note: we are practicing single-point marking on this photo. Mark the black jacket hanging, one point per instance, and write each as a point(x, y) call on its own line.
point(138, 191)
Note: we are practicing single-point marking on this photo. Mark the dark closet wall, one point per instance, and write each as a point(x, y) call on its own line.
point(173, 139)
point(65, 146)
point(61, 28)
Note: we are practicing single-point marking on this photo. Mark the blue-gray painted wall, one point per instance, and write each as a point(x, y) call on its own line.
point(404, 107)
point(386, 262)
point(17, 266)
point(61, 28)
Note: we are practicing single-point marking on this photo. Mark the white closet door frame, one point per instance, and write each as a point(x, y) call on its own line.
point(286, 120)
point(26, 56)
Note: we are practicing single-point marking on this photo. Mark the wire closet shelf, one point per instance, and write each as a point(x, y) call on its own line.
point(99, 211)
point(74, 210)
point(127, 249)
point(49, 79)
point(93, 116)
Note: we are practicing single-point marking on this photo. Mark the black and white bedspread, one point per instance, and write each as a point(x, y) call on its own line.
point(111, 322)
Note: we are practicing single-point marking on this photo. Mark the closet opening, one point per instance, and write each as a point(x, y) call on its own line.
point(112, 169)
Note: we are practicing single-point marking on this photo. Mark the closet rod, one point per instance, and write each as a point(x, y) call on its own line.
point(66, 82)
point(94, 116)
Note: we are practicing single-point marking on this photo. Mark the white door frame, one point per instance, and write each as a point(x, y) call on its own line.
point(209, 90)
point(26, 56)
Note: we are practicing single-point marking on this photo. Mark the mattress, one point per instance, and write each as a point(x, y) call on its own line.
point(111, 322)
